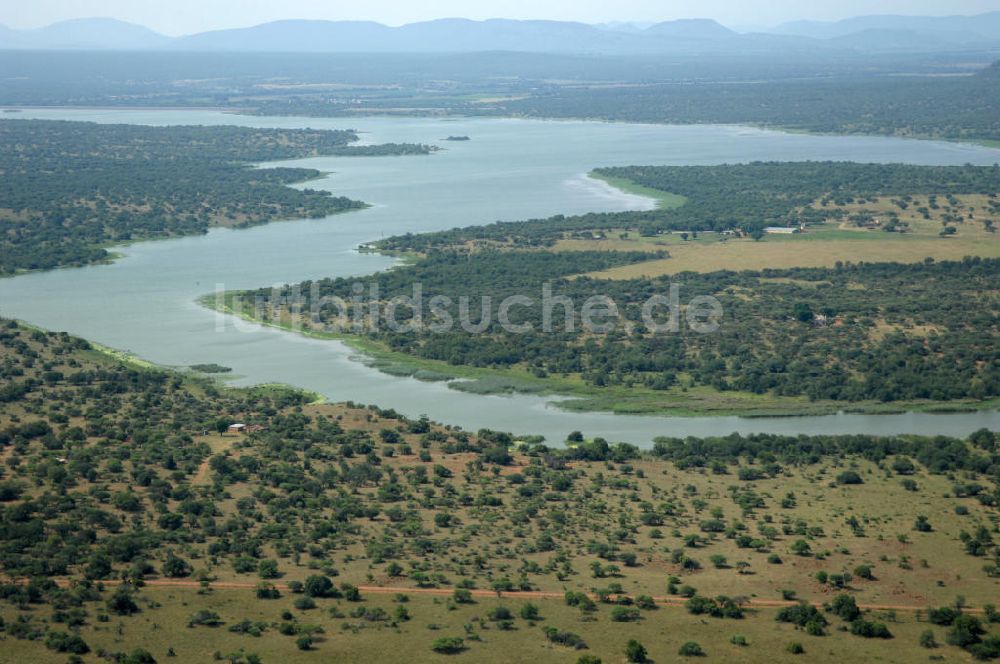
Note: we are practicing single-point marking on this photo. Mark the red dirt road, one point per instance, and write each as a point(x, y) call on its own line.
point(531, 594)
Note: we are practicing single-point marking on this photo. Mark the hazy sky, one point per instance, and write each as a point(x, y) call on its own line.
point(185, 16)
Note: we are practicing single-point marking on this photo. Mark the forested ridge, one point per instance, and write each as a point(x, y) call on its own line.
point(954, 107)
point(906, 94)
point(70, 188)
point(957, 108)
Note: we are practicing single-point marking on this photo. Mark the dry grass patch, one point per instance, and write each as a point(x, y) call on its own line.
point(815, 249)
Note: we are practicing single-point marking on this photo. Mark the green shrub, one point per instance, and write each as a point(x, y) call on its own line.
point(845, 607)
point(267, 591)
point(63, 642)
point(870, 630)
point(691, 649)
point(635, 652)
point(205, 618)
point(529, 611)
point(448, 645)
point(624, 614)
point(849, 477)
point(268, 569)
point(304, 603)
point(568, 639)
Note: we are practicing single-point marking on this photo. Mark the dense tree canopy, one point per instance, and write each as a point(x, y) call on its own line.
point(954, 108)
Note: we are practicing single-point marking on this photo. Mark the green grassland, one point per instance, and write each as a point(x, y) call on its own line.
point(350, 639)
point(664, 200)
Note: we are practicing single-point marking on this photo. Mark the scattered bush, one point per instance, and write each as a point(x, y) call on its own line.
point(266, 591)
point(529, 611)
point(625, 614)
point(268, 569)
point(635, 652)
point(176, 567)
point(845, 607)
point(849, 477)
point(205, 618)
point(304, 603)
point(121, 602)
point(720, 607)
point(448, 645)
point(804, 615)
point(568, 639)
point(943, 616)
point(63, 642)
point(691, 649)
point(870, 630)
point(318, 585)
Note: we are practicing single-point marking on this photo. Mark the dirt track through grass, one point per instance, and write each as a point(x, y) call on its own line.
point(668, 600)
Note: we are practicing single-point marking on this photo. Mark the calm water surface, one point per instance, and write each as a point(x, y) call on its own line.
point(510, 170)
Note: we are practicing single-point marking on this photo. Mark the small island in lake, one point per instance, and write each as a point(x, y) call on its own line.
point(458, 138)
point(210, 368)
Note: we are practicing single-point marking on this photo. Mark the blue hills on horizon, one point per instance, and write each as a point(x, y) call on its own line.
point(859, 34)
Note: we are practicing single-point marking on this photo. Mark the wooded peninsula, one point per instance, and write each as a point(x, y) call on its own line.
point(70, 189)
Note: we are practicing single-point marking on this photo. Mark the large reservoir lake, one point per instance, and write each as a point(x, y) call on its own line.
point(145, 302)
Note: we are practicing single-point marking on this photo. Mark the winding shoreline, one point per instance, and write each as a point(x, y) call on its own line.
point(575, 398)
point(580, 398)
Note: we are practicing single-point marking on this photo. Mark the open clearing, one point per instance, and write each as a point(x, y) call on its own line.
point(820, 246)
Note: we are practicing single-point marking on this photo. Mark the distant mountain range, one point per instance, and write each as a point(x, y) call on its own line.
point(861, 34)
point(84, 33)
point(948, 28)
